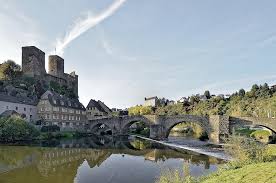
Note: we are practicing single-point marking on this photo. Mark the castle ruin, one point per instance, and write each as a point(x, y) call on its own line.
point(33, 65)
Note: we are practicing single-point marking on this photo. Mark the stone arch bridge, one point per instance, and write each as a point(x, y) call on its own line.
point(216, 126)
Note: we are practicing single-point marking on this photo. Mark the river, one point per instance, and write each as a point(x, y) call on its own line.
point(98, 160)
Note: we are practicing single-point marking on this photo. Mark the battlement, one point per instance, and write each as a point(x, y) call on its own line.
point(33, 65)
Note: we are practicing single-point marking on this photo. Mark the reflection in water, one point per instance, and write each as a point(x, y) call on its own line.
point(96, 159)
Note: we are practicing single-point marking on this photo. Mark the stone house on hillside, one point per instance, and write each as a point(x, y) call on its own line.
point(21, 105)
point(151, 101)
point(97, 110)
point(55, 109)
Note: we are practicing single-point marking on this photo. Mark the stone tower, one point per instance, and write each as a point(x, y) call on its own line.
point(56, 65)
point(33, 62)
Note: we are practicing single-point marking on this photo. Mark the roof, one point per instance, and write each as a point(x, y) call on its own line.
point(19, 100)
point(56, 99)
point(99, 105)
point(150, 98)
point(9, 113)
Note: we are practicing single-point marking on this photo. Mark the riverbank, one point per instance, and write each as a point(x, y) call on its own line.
point(257, 173)
point(256, 163)
point(200, 150)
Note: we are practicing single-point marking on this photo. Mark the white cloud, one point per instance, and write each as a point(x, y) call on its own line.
point(83, 25)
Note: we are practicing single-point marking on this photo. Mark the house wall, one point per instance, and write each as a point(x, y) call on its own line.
point(29, 110)
point(150, 102)
point(94, 113)
point(68, 119)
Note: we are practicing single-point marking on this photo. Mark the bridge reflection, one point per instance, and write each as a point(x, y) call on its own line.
point(61, 163)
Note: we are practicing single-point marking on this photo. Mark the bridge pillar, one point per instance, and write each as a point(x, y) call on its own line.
point(157, 132)
point(219, 127)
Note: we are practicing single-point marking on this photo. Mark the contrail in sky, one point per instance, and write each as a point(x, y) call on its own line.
point(84, 25)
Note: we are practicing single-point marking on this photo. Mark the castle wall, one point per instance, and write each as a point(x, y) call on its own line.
point(33, 61)
point(56, 65)
point(33, 65)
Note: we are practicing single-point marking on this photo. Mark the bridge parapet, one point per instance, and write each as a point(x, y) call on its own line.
point(236, 122)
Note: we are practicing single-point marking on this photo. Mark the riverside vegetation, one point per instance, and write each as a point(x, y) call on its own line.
point(14, 129)
point(252, 162)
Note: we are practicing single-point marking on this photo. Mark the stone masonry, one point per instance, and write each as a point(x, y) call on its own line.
point(33, 65)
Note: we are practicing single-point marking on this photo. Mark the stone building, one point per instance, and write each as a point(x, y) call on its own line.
point(24, 106)
point(151, 101)
point(33, 65)
point(97, 110)
point(55, 109)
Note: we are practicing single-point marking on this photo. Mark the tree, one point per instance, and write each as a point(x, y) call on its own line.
point(15, 128)
point(241, 92)
point(207, 94)
point(9, 70)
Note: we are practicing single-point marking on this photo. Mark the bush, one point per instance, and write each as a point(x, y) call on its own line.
point(245, 151)
point(15, 129)
point(261, 135)
point(177, 177)
point(51, 128)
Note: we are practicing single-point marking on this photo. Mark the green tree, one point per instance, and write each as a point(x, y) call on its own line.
point(207, 94)
point(9, 70)
point(242, 92)
point(15, 128)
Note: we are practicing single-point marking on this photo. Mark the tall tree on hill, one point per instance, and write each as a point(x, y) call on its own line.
point(9, 70)
point(207, 94)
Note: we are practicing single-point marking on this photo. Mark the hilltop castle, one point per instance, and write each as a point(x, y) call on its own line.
point(33, 65)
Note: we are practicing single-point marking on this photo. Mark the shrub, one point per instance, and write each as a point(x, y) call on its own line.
point(15, 129)
point(262, 135)
point(51, 128)
point(245, 151)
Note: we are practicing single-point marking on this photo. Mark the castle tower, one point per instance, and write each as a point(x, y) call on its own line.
point(33, 61)
point(56, 65)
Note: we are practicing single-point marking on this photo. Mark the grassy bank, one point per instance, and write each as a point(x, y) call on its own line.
point(257, 173)
point(253, 162)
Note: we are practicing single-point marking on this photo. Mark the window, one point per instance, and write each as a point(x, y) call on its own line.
point(7, 107)
point(69, 103)
point(77, 111)
point(61, 102)
point(71, 111)
point(64, 110)
point(30, 109)
point(24, 108)
point(41, 109)
point(83, 112)
point(55, 109)
point(47, 109)
point(16, 108)
point(55, 102)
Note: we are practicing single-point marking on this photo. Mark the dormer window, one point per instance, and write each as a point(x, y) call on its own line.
point(55, 102)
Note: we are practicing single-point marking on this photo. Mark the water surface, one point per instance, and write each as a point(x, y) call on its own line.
point(98, 160)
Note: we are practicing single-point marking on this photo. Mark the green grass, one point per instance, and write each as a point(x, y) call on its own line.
point(257, 173)
point(244, 131)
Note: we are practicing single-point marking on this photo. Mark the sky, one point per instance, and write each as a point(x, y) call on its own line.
point(125, 50)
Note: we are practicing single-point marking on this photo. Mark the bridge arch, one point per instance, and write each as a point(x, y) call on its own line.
point(171, 122)
point(128, 121)
point(264, 126)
